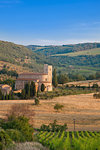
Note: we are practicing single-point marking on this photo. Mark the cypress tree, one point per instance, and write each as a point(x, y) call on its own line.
point(54, 81)
point(9, 96)
point(27, 91)
point(3, 97)
point(0, 95)
point(12, 96)
point(37, 93)
point(23, 94)
point(32, 89)
point(42, 87)
point(6, 96)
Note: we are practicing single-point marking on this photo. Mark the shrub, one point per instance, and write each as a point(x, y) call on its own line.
point(95, 85)
point(5, 140)
point(96, 95)
point(36, 101)
point(15, 135)
point(53, 127)
point(21, 110)
point(63, 78)
point(42, 87)
point(58, 107)
point(21, 124)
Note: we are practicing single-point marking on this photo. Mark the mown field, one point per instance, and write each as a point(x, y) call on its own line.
point(82, 140)
point(83, 108)
point(95, 51)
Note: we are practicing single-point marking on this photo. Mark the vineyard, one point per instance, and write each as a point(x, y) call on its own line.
point(79, 140)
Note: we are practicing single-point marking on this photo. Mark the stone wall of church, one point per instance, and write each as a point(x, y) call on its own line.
point(45, 78)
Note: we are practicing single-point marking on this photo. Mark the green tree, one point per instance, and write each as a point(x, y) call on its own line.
point(37, 101)
point(97, 75)
point(37, 93)
point(3, 97)
point(21, 124)
point(9, 96)
point(58, 107)
point(23, 94)
point(42, 87)
point(12, 96)
point(32, 89)
point(95, 85)
point(6, 96)
point(0, 95)
point(27, 90)
point(5, 140)
point(54, 81)
point(63, 78)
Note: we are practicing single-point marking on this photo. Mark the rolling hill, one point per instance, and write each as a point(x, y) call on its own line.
point(77, 58)
point(95, 51)
point(20, 57)
point(72, 58)
point(64, 49)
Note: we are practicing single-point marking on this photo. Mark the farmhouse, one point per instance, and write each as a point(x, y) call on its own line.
point(5, 89)
point(39, 79)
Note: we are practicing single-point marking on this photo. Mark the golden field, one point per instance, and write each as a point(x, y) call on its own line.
point(83, 108)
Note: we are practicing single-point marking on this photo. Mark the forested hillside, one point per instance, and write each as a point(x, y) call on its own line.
point(33, 59)
point(20, 56)
point(77, 58)
point(51, 50)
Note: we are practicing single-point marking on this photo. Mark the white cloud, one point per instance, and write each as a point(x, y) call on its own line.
point(44, 42)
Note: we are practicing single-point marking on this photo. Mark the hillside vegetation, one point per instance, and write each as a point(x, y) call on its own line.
point(19, 55)
point(77, 58)
point(52, 50)
point(72, 58)
point(95, 51)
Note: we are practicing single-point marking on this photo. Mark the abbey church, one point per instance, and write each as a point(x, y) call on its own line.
point(38, 78)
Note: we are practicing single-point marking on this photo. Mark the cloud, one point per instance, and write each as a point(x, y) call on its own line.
point(44, 42)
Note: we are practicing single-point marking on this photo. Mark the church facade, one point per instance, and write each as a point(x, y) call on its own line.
point(38, 78)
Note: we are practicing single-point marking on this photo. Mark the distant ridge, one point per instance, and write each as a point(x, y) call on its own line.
point(81, 58)
point(51, 50)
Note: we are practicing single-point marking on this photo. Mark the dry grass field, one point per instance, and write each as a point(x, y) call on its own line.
point(83, 108)
point(84, 83)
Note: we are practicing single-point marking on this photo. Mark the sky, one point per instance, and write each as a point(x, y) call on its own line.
point(49, 22)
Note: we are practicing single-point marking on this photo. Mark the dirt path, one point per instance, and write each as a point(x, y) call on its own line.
point(83, 108)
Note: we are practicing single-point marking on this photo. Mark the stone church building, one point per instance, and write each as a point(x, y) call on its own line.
point(39, 79)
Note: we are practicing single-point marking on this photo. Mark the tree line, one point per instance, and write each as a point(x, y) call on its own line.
point(30, 90)
point(64, 78)
point(9, 96)
point(12, 73)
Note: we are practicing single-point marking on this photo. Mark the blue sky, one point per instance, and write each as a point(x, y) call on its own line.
point(47, 22)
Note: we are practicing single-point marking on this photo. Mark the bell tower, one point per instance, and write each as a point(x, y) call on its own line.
point(48, 70)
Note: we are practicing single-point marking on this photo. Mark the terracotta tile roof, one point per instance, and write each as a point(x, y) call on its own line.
point(26, 79)
point(30, 73)
point(44, 82)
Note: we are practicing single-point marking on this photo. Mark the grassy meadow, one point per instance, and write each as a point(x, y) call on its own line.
point(95, 51)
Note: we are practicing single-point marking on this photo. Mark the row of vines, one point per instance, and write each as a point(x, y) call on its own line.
point(79, 140)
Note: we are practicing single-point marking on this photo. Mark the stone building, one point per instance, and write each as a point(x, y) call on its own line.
point(5, 89)
point(39, 79)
